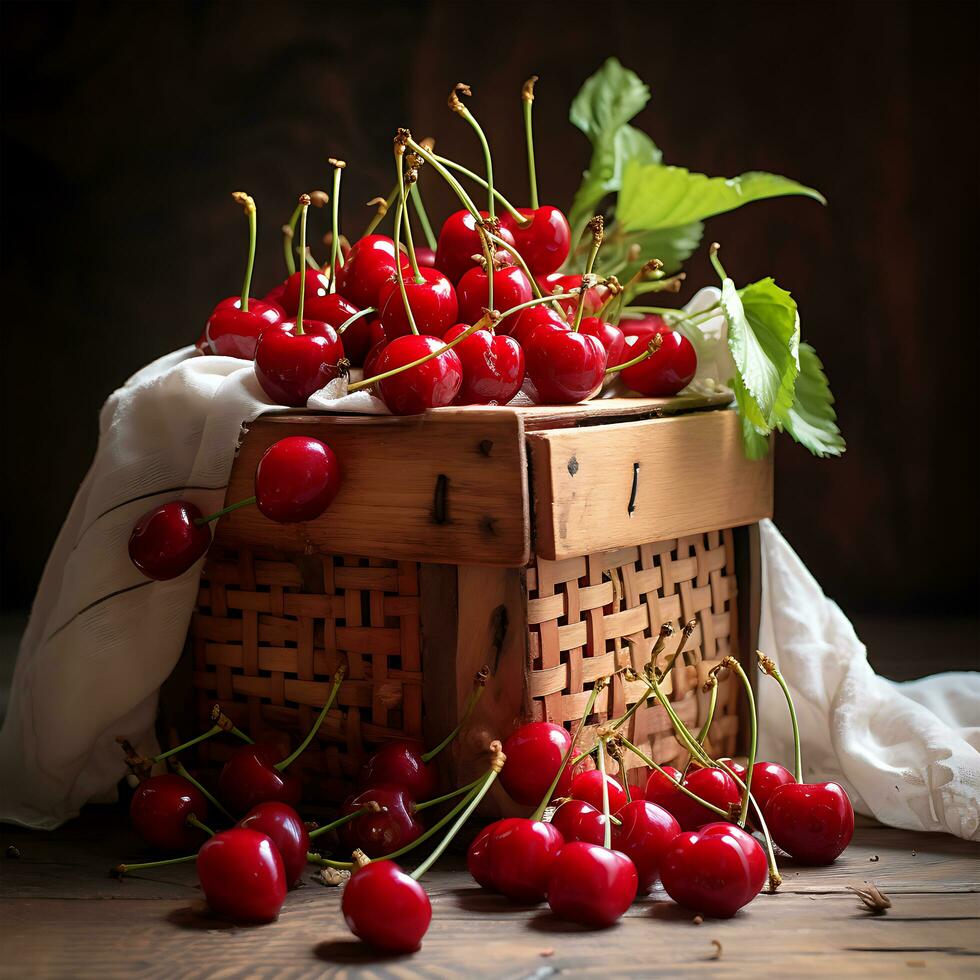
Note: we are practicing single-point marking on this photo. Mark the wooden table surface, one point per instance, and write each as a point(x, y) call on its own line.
point(61, 916)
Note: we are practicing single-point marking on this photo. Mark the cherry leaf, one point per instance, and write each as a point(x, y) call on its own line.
point(811, 420)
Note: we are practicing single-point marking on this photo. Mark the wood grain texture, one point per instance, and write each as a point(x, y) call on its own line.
point(690, 475)
point(389, 505)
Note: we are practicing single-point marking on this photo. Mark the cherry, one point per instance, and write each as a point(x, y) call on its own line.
point(534, 754)
point(611, 337)
point(661, 790)
point(522, 326)
point(167, 540)
point(563, 367)
point(370, 266)
point(433, 384)
point(425, 256)
point(433, 302)
point(478, 861)
point(321, 306)
point(667, 371)
point(386, 907)
point(812, 822)
point(522, 853)
point(644, 326)
point(459, 241)
point(644, 834)
point(738, 769)
point(276, 296)
point(283, 826)
point(767, 777)
point(715, 870)
point(511, 287)
point(290, 367)
point(493, 366)
point(242, 875)
point(234, 332)
point(373, 356)
point(594, 297)
point(360, 337)
point(713, 786)
point(400, 763)
point(587, 786)
point(591, 884)
point(545, 242)
point(385, 831)
point(159, 810)
point(578, 820)
point(250, 777)
point(296, 479)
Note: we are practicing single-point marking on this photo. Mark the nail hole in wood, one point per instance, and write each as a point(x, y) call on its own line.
point(440, 504)
point(488, 525)
point(572, 466)
point(636, 481)
point(486, 447)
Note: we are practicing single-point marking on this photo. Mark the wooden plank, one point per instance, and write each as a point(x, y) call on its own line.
point(690, 473)
point(395, 472)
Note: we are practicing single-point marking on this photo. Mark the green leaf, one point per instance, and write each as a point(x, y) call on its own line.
point(756, 443)
point(811, 420)
point(764, 338)
point(656, 196)
point(671, 245)
point(607, 100)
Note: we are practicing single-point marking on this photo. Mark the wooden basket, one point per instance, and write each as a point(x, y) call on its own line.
point(548, 543)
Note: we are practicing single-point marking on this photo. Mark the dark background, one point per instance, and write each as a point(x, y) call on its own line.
point(125, 126)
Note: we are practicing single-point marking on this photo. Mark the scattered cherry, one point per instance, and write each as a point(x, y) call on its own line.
point(159, 810)
point(522, 853)
point(591, 884)
point(284, 827)
point(296, 479)
point(478, 861)
point(242, 875)
point(166, 541)
point(250, 777)
point(812, 822)
point(644, 834)
point(386, 907)
point(400, 763)
point(534, 754)
point(385, 831)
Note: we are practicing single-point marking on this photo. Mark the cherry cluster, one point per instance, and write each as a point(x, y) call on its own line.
point(480, 314)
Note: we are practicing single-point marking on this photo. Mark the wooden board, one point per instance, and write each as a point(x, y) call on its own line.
point(604, 487)
point(433, 487)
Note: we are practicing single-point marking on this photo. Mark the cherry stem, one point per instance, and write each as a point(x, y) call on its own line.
point(522, 219)
point(473, 698)
point(488, 257)
point(210, 733)
point(192, 821)
point(384, 206)
point(537, 301)
point(716, 262)
point(689, 627)
point(543, 805)
point(288, 231)
point(124, 869)
point(712, 703)
point(768, 667)
point(449, 796)
point(607, 829)
point(304, 202)
point(403, 213)
point(596, 226)
point(353, 319)
point(456, 186)
point(624, 778)
point(733, 665)
point(302, 747)
point(249, 205)
point(178, 768)
point(224, 510)
point(399, 276)
point(483, 323)
point(460, 109)
point(346, 818)
point(527, 96)
point(416, 195)
point(338, 167)
point(652, 347)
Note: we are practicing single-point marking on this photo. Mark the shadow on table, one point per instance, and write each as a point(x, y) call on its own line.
point(352, 952)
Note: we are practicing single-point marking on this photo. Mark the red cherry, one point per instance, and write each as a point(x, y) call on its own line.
point(377, 834)
point(527, 321)
point(250, 777)
point(577, 820)
point(160, 808)
point(594, 297)
point(644, 834)
point(232, 332)
point(374, 355)
point(736, 767)
point(493, 366)
point(292, 367)
point(431, 385)
point(386, 907)
point(370, 265)
point(661, 790)
point(812, 822)
point(767, 777)
point(318, 303)
point(522, 853)
point(360, 337)
point(283, 826)
point(511, 287)
point(563, 367)
point(591, 884)
point(400, 763)
point(242, 875)
point(478, 855)
point(433, 302)
point(613, 339)
point(644, 326)
point(534, 753)
point(166, 542)
point(713, 786)
point(587, 786)
point(459, 241)
point(665, 373)
point(544, 243)
point(715, 870)
point(296, 479)
point(276, 296)
point(425, 256)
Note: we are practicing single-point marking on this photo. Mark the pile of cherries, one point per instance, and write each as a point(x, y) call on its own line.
point(484, 312)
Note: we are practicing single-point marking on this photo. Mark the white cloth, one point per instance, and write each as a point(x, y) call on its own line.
point(101, 638)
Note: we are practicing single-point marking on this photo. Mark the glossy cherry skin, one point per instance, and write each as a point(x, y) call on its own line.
point(510, 288)
point(377, 834)
point(400, 763)
point(534, 754)
point(587, 786)
point(250, 777)
point(242, 875)
point(290, 368)
point(591, 885)
point(296, 480)
point(425, 256)
point(276, 296)
point(166, 542)
point(563, 367)
point(522, 326)
point(613, 339)
point(284, 827)
point(812, 822)
point(478, 854)
point(544, 243)
point(234, 332)
point(522, 853)
point(370, 265)
point(659, 789)
point(665, 373)
point(644, 834)
point(594, 297)
point(386, 908)
point(318, 303)
point(372, 358)
point(767, 777)
point(431, 385)
point(713, 786)
point(459, 241)
point(644, 326)
point(159, 810)
point(715, 870)
point(360, 337)
point(577, 820)
point(433, 302)
point(493, 366)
